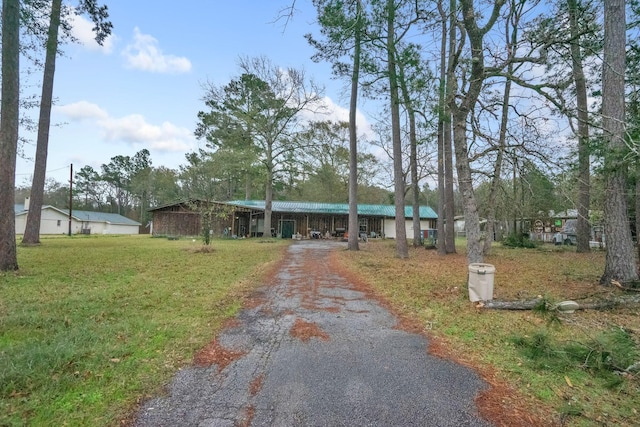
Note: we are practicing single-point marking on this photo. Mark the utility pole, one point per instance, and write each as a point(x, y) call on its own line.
point(70, 196)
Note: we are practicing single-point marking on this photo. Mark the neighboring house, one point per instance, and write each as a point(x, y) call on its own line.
point(309, 219)
point(565, 224)
point(56, 221)
point(459, 226)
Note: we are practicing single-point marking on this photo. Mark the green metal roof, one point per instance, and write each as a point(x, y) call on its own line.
point(333, 208)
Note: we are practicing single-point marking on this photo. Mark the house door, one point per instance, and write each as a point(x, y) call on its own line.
point(287, 227)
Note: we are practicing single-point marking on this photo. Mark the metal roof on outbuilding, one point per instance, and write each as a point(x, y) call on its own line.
point(111, 218)
point(333, 208)
point(90, 216)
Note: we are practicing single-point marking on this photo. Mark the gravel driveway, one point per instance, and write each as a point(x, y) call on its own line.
point(315, 351)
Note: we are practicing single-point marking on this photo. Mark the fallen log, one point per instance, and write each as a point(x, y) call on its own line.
point(624, 288)
point(512, 305)
point(620, 301)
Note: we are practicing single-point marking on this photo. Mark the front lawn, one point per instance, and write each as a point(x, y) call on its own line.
point(92, 324)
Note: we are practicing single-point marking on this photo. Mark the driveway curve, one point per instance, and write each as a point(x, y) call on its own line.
point(315, 351)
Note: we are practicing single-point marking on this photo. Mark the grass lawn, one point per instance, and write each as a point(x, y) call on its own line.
point(92, 324)
point(565, 369)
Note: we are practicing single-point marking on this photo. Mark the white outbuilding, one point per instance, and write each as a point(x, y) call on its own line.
point(56, 221)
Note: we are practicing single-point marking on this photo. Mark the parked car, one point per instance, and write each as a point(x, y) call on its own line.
point(569, 232)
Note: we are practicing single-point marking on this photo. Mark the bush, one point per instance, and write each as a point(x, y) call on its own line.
point(518, 240)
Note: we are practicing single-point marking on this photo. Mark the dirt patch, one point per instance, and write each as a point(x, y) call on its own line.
point(231, 323)
point(247, 418)
point(215, 353)
point(256, 385)
point(316, 307)
point(304, 331)
point(501, 405)
point(254, 300)
point(314, 276)
point(204, 249)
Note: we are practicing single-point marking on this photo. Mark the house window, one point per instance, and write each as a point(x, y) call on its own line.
point(363, 225)
point(59, 223)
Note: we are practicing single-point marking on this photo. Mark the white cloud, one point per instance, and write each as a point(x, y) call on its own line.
point(82, 110)
point(132, 129)
point(82, 29)
point(144, 54)
point(329, 110)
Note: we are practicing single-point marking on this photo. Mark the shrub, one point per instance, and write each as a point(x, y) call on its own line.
point(518, 240)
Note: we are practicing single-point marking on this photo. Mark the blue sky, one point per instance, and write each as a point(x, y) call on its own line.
point(143, 88)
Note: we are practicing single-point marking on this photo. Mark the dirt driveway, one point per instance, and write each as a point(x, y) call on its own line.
point(313, 350)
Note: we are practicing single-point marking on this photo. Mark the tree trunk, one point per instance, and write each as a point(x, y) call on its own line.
point(440, 245)
point(402, 249)
point(9, 122)
point(449, 203)
point(465, 184)
point(583, 228)
point(268, 197)
point(417, 233)
point(413, 156)
point(460, 114)
point(354, 227)
point(449, 199)
point(511, 39)
point(497, 169)
point(620, 261)
point(638, 205)
point(32, 229)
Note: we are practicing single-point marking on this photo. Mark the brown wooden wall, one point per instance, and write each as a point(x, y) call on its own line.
point(172, 223)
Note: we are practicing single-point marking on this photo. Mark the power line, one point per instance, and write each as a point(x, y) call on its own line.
point(49, 171)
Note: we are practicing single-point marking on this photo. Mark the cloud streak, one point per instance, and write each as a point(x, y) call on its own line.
point(80, 111)
point(132, 129)
point(145, 54)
